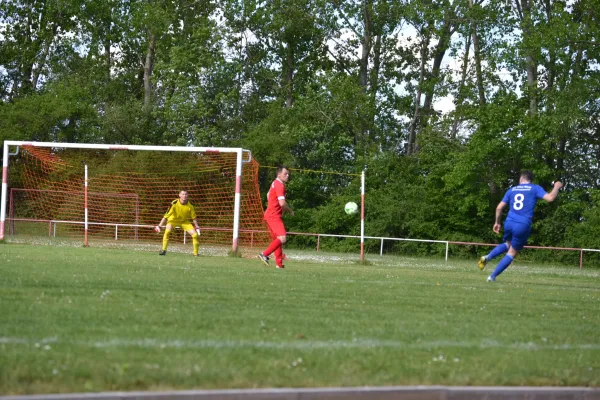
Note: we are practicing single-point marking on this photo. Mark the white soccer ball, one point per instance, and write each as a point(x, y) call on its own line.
point(351, 208)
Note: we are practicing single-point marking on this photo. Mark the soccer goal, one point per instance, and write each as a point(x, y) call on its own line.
point(97, 192)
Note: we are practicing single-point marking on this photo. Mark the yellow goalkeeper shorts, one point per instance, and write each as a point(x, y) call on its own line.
point(186, 226)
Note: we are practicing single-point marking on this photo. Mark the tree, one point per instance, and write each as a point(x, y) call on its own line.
point(35, 29)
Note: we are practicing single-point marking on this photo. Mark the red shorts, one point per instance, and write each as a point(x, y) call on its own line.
point(276, 227)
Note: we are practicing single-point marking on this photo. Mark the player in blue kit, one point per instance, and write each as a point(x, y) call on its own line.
point(521, 200)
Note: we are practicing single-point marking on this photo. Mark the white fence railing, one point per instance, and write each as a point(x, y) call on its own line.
point(52, 224)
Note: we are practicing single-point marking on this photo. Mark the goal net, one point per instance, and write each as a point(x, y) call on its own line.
point(129, 188)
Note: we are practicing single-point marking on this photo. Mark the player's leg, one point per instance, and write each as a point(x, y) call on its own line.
point(265, 258)
point(500, 249)
point(520, 235)
point(503, 264)
point(165, 241)
point(496, 251)
point(277, 231)
point(192, 232)
point(279, 251)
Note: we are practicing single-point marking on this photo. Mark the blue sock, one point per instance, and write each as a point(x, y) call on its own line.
point(500, 249)
point(502, 265)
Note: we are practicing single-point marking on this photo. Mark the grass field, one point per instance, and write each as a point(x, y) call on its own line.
point(88, 319)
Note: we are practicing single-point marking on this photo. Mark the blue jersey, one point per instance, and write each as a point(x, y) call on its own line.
point(522, 200)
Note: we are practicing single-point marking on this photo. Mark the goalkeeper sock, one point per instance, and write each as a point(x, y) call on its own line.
point(274, 245)
point(500, 249)
point(195, 242)
point(502, 265)
point(166, 239)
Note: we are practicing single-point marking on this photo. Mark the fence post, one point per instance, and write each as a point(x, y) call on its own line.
point(85, 207)
point(318, 241)
point(381, 248)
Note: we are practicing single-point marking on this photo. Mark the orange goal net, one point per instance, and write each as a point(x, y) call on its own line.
point(128, 192)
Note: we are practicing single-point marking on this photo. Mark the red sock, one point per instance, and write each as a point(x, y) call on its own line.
point(279, 256)
point(274, 244)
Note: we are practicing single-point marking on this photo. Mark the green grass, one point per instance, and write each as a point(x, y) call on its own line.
point(89, 319)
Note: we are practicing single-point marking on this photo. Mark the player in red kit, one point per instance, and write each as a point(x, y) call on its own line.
point(276, 206)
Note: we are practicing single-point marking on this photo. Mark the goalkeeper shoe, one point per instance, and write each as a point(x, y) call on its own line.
point(491, 279)
point(264, 259)
point(481, 263)
point(162, 252)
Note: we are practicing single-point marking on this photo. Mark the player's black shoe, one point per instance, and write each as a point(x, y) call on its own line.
point(264, 259)
point(162, 252)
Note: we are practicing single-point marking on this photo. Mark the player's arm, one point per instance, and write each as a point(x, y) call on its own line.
point(165, 218)
point(499, 210)
point(161, 223)
point(549, 197)
point(285, 207)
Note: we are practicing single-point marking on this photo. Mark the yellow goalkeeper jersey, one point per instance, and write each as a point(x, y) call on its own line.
point(182, 213)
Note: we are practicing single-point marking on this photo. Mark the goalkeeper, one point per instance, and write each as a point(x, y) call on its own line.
point(181, 213)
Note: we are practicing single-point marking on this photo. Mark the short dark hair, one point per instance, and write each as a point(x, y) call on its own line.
point(527, 174)
point(280, 168)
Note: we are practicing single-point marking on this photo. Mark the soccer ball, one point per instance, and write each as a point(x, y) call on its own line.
point(351, 208)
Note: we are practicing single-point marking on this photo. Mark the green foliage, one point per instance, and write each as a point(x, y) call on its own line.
point(330, 87)
point(586, 232)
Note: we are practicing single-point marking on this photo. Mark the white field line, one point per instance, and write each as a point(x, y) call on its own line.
point(149, 343)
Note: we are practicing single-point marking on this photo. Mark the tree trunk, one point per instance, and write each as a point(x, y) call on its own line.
point(374, 81)
point(148, 67)
point(412, 133)
point(463, 78)
point(107, 58)
point(35, 73)
point(438, 56)
point(288, 78)
point(530, 62)
point(477, 55)
point(366, 44)
point(26, 64)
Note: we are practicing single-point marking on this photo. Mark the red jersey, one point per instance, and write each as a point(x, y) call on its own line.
point(276, 193)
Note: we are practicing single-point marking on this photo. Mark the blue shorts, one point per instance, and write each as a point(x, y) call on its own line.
point(517, 234)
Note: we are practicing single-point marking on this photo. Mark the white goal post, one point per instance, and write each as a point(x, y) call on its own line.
point(239, 154)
